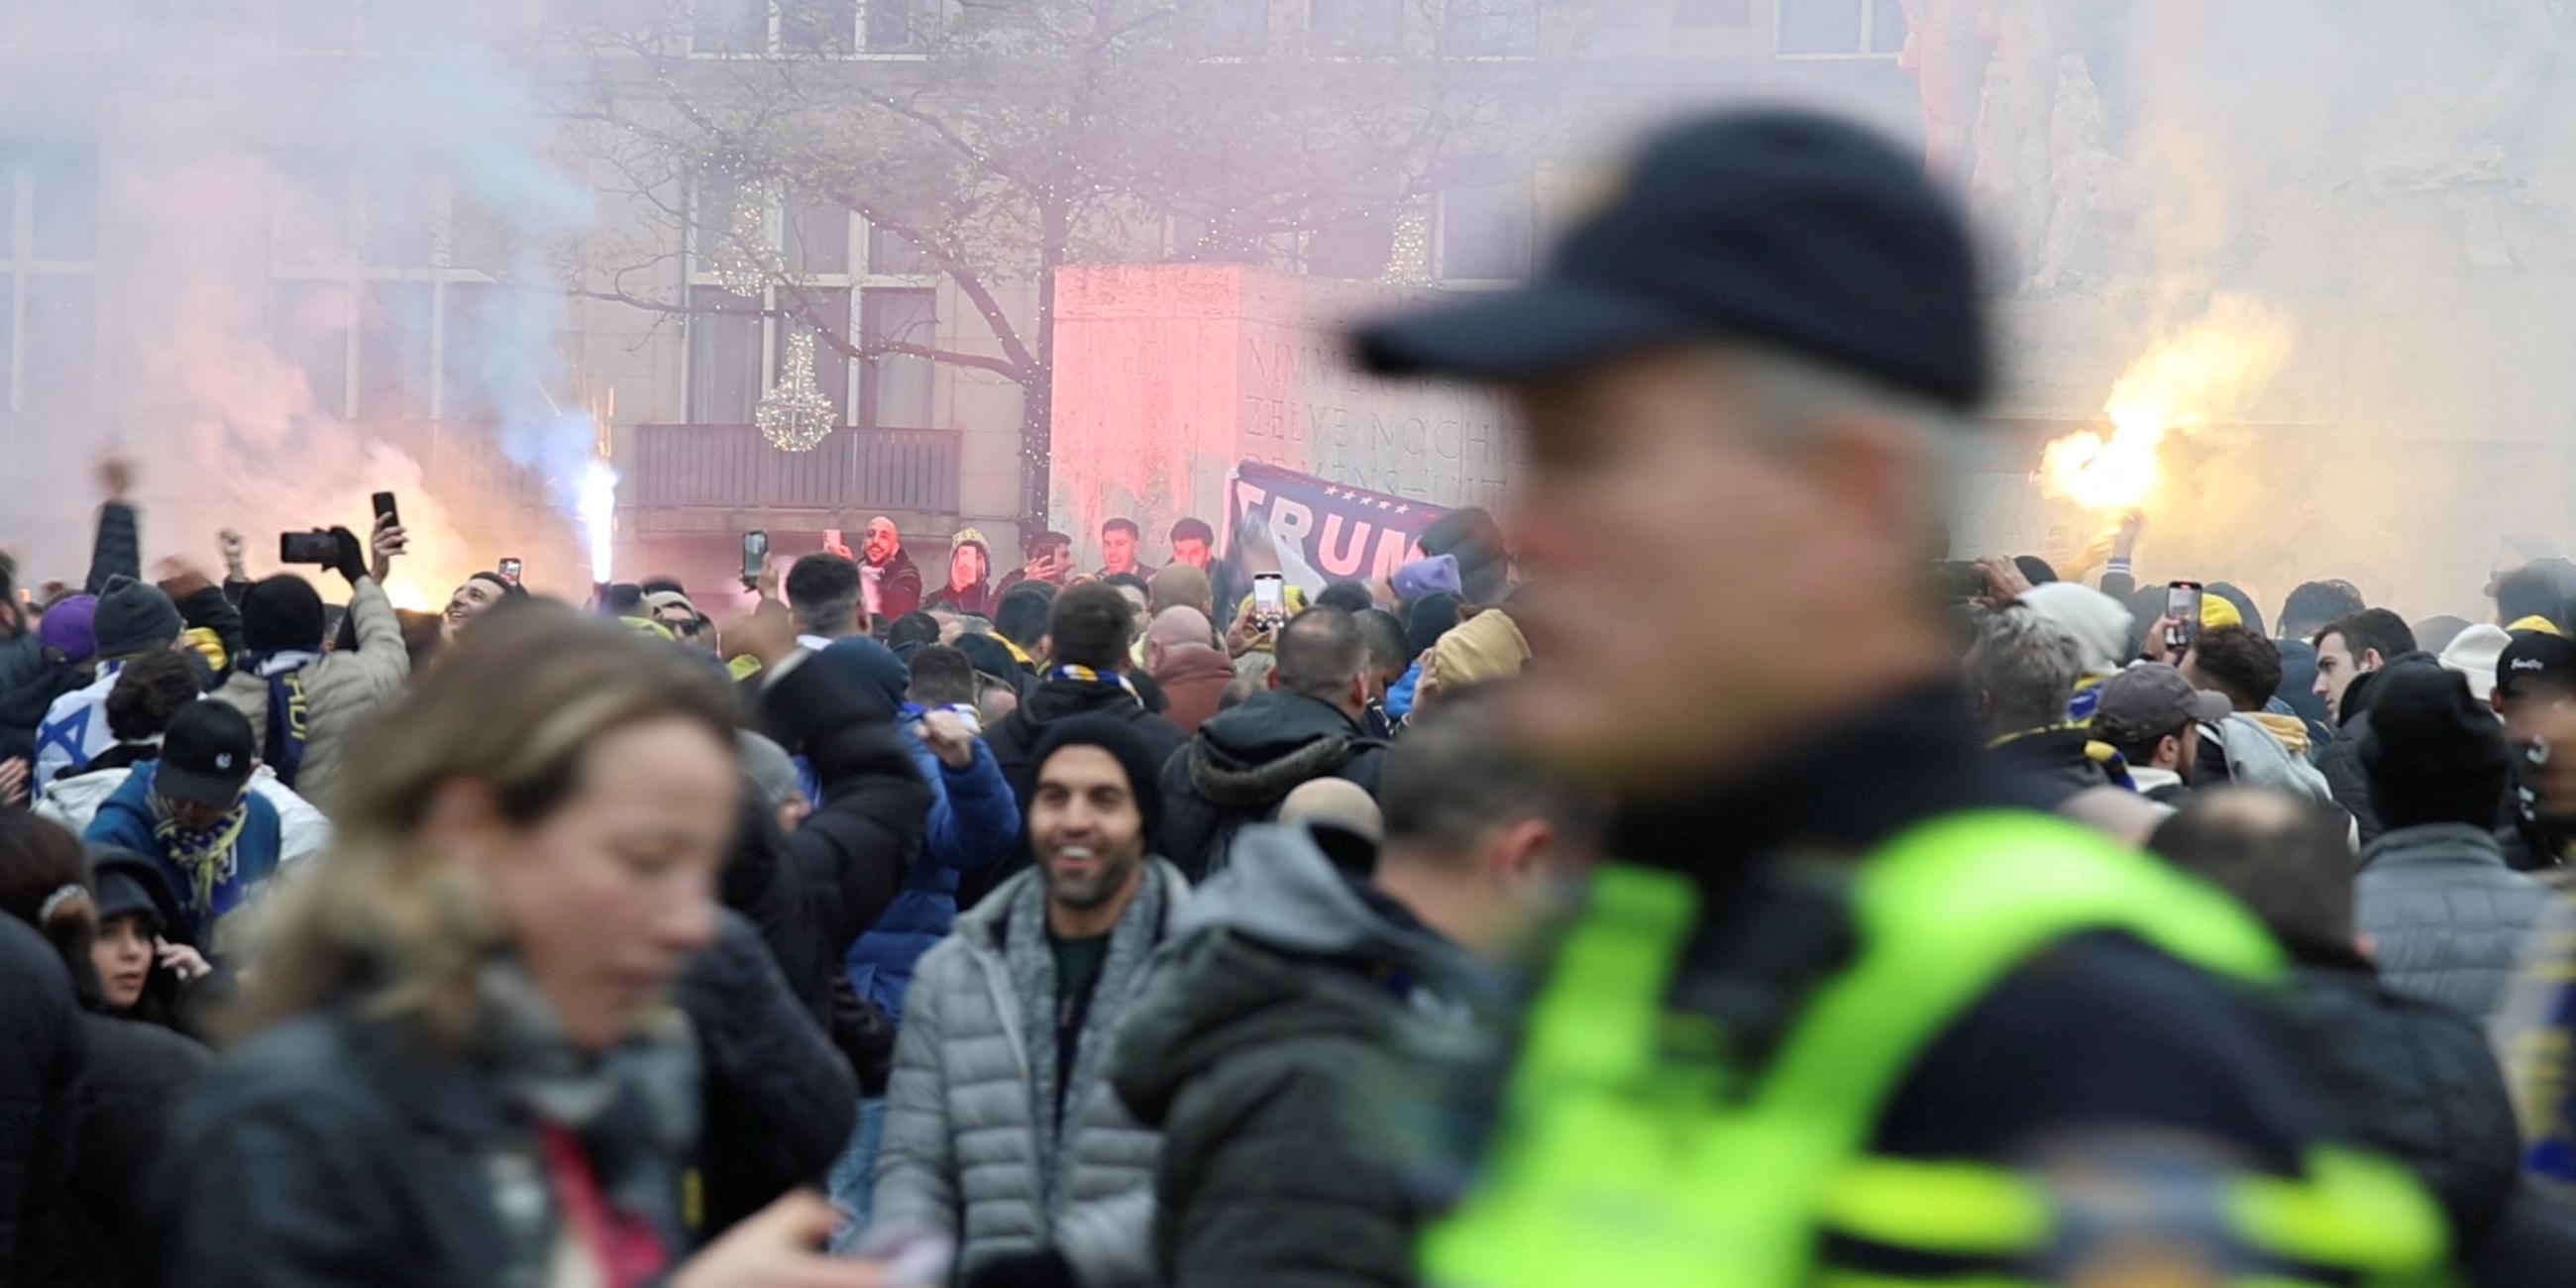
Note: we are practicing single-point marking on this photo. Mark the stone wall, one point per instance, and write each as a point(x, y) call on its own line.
point(1168, 375)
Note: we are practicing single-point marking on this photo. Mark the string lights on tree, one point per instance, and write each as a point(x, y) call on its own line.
point(742, 260)
point(1408, 259)
point(794, 415)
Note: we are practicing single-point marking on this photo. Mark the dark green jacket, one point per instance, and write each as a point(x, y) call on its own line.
point(1265, 1049)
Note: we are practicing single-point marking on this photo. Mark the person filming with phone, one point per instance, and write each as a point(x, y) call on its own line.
point(303, 703)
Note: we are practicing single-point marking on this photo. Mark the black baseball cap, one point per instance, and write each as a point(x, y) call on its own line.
point(1778, 226)
point(2536, 660)
point(206, 756)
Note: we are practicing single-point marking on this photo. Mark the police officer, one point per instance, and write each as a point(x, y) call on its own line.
point(1842, 983)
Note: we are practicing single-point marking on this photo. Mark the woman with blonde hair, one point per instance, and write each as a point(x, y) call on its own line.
point(460, 1066)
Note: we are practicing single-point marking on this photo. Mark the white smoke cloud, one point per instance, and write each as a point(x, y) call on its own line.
point(207, 391)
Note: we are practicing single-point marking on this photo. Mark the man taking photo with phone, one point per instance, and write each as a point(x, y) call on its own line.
point(304, 703)
point(890, 582)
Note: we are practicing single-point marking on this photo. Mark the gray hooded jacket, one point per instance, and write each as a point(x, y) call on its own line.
point(2256, 758)
point(969, 1151)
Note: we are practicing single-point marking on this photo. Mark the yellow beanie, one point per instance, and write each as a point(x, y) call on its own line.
point(2217, 611)
point(207, 643)
point(1485, 647)
point(2536, 622)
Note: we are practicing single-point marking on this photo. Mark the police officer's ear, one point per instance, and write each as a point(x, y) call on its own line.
point(1522, 853)
point(1877, 465)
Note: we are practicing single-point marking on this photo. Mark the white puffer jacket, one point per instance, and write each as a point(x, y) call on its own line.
point(303, 833)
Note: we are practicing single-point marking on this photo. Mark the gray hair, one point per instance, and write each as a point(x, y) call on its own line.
point(2027, 667)
point(765, 764)
point(1793, 389)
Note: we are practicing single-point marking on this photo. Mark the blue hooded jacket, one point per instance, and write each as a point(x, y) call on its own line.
point(974, 821)
point(126, 822)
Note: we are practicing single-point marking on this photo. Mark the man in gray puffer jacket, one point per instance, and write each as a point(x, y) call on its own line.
point(1002, 1132)
point(2447, 918)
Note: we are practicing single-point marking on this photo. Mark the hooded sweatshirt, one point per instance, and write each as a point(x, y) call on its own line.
point(1269, 1048)
point(2267, 750)
point(1246, 760)
point(1193, 677)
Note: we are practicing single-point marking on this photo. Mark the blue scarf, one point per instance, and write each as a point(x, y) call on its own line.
point(1086, 675)
point(282, 745)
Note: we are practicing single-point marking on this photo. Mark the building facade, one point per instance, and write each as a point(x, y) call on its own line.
point(290, 251)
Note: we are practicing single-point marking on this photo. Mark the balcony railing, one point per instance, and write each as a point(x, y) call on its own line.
point(733, 467)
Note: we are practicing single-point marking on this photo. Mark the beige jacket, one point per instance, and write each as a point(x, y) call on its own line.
point(341, 690)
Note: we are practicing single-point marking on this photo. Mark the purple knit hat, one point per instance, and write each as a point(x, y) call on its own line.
point(66, 626)
point(1426, 576)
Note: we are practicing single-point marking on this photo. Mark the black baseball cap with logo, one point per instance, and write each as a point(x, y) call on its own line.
point(1780, 227)
point(2536, 660)
point(207, 755)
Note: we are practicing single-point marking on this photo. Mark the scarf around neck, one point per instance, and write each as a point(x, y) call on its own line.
point(282, 742)
point(1086, 675)
point(211, 858)
point(610, 1130)
point(1031, 962)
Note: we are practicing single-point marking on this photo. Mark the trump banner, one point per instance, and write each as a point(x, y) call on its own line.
point(1320, 531)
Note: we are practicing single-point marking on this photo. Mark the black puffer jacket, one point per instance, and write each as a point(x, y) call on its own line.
point(1271, 1048)
point(2414, 1078)
point(813, 891)
point(335, 1149)
point(2340, 759)
point(41, 1055)
point(1245, 761)
point(779, 1100)
point(130, 1088)
point(117, 551)
point(2049, 765)
point(1015, 739)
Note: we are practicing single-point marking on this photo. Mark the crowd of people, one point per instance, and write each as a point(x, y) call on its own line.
point(1513, 920)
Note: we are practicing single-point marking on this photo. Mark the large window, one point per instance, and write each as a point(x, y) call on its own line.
point(851, 280)
point(48, 261)
point(896, 386)
point(1234, 26)
point(1712, 13)
point(1357, 246)
point(1356, 26)
point(383, 295)
point(1488, 230)
point(1844, 27)
point(719, 27)
point(1490, 28)
point(901, 26)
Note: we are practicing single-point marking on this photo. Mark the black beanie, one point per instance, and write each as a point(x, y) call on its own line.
point(1133, 751)
point(281, 612)
point(988, 657)
point(2434, 753)
point(133, 618)
point(1431, 617)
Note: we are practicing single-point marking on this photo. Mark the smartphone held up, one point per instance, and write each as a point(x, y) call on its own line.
point(2182, 607)
point(1270, 600)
